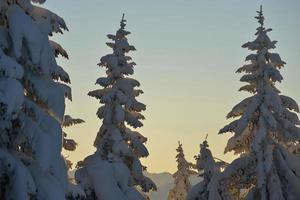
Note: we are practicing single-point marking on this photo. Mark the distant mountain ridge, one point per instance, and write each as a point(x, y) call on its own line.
point(164, 182)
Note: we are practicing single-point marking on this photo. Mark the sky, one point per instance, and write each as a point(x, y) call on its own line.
point(187, 55)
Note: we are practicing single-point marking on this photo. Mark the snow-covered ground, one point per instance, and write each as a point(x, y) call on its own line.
point(164, 183)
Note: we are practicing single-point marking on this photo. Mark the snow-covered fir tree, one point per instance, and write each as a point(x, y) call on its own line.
point(32, 103)
point(209, 169)
point(75, 193)
point(181, 177)
point(114, 171)
point(266, 126)
point(69, 144)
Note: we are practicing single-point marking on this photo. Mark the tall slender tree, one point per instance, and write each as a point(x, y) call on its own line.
point(209, 169)
point(181, 176)
point(267, 124)
point(114, 170)
point(75, 192)
point(69, 144)
point(32, 100)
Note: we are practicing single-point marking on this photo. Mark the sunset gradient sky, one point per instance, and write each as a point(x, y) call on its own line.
point(187, 55)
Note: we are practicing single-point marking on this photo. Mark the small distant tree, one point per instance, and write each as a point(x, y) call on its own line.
point(114, 171)
point(267, 126)
point(209, 169)
point(69, 144)
point(181, 176)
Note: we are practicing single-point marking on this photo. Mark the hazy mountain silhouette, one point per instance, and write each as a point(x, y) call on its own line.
point(164, 182)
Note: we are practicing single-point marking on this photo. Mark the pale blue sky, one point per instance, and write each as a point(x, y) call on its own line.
point(187, 53)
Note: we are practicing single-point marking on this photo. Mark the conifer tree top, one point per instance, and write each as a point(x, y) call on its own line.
point(182, 163)
point(122, 23)
point(262, 41)
point(260, 17)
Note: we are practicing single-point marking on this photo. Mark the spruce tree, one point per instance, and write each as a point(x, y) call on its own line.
point(209, 169)
point(70, 144)
point(266, 126)
point(181, 177)
point(75, 191)
point(32, 100)
point(114, 171)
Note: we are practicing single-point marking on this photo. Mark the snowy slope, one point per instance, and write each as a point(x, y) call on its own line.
point(163, 181)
